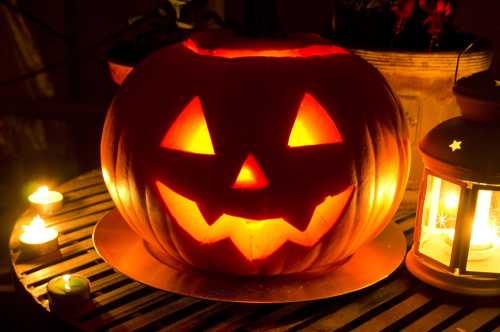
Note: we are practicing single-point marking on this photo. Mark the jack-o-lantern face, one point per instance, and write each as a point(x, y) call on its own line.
point(255, 160)
point(297, 221)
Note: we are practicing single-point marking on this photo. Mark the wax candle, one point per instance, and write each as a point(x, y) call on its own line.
point(68, 293)
point(38, 239)
point(46, 201)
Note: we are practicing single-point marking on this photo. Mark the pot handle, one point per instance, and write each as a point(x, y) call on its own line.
point(462, 52)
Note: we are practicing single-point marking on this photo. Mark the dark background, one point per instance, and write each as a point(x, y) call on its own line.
point(50, 122)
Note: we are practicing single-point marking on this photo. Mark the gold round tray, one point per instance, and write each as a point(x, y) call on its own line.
point(123, 249)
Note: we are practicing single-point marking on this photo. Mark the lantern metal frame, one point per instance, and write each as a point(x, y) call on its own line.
point(453, 277)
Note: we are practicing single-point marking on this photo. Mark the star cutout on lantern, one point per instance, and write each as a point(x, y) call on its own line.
point(455, 145)
point(441, 220)
point(497, 83)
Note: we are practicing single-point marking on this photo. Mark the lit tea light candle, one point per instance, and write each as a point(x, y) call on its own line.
point(68, 293)
point(38, 239)
point(46, 201)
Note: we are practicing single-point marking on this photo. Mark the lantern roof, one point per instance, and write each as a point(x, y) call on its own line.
point(478, 96)
point(464, 149)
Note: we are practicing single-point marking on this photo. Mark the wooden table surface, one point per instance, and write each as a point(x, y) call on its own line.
point(399, 303)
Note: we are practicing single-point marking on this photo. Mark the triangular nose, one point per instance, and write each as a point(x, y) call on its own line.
point(251, 176)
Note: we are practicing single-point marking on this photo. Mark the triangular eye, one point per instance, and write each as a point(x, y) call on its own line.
point(189, 132)
point(313, 125)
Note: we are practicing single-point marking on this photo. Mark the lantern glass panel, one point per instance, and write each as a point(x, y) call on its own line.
point(439, 215)
point(484, 248)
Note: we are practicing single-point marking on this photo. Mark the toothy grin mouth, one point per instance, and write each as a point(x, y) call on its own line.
point(255, 239)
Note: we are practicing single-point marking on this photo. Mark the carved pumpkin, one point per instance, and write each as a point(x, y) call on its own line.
point(255, 157)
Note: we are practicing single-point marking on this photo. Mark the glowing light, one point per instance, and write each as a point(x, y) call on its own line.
point(313, 125)
point(45, 196)
point(37, 232)
point(66, 278)
point(42, 191)
point(483, 231)
point(304, 52)
point(439, 220)
point(455, 145)
point(189, 132)
point(250, 176)
point(451, 200)
point(251, 236)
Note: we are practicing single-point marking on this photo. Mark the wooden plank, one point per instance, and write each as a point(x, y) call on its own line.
point(155, 315)
point(235, 318)
point(360, 306)
point(433, 318)
point(76, 208)
point(93, 172)
point(80, 183)
point(84, 212)
point(279, 319)
point(474, 319)
point(41, 290)
point(60, 268)
point(85, 176)
point(395, 313)
point(106, 318)
point(107, 281)
point(118, 293)
point(76, 235)
point(112, 296)
point(94, 189)
point(193, 322)
point(65, 252)
point(89, 220)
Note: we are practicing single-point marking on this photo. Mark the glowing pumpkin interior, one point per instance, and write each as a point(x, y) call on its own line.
point(250, 176)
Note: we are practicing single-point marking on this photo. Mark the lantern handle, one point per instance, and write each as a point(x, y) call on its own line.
point(462, 52)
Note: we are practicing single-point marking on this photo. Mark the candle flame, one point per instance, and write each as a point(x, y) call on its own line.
point(451, 200)
point(66, 278)
point(483, 232)
point(37, 232)
point(43, 190)
point(41, 195)
point(37, 225)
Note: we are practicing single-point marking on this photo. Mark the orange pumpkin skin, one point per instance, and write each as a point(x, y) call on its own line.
point(250, 102)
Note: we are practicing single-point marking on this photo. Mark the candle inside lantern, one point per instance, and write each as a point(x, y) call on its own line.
point(68, 293)
point(46, 201)
point(484, 250)
point(38, 239)
point(484, 233)
point(439, 215)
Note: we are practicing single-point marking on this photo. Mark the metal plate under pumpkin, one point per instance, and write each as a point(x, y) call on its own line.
point(122, 248)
